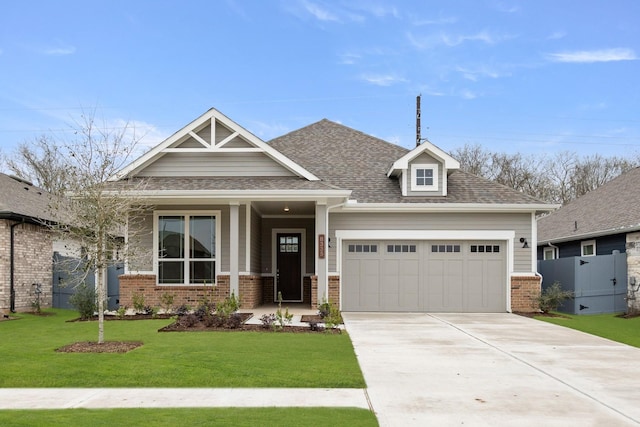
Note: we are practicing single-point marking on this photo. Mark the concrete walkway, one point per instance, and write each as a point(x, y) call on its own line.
point(64, 398)
point(492, 369)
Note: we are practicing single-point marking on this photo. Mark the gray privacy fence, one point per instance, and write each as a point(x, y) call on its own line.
point(64, 276)
point(599, 283)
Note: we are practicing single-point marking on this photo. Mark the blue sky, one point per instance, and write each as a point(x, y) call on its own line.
point(514, 76)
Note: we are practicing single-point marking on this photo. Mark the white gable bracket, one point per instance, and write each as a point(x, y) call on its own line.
point(199, 139)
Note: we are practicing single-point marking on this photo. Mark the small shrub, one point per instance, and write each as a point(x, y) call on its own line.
point(234, 321)
point(183, 310)
point(324, 309)
point(166, 299)
point(138, 303)
point(268, 320)
point(204, 310)
point(334, 318)
point(122, 311)
point(226, 308)
point(552, 297)
point(150, 310)
point(84, 300)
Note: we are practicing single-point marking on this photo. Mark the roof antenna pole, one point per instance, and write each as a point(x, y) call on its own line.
point(418, 136)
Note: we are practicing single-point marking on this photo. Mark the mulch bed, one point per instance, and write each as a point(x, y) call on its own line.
point(109, 317)
point(105, 347)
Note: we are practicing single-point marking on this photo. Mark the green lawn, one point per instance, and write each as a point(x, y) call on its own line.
point(191, 417)
point(609, 326)
point(171, 359)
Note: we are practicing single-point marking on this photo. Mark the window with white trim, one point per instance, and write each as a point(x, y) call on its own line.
point(588, 248)
point(186, 249)
point(549, 253)
point(424, 177)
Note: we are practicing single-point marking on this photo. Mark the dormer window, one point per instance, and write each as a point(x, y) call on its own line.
point(424, 177)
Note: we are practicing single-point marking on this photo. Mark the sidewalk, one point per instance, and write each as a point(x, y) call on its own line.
point(65, 398)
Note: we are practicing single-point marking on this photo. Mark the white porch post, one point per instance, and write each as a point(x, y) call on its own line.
point(322, 265)
point(234, 235)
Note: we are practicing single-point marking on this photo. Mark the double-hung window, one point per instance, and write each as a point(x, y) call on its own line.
point(186, 248)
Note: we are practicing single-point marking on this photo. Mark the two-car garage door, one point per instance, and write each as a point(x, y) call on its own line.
point(448, 276)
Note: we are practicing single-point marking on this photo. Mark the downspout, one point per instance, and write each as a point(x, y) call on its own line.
point(12, 289)
point(337, 261)
point(557, 250)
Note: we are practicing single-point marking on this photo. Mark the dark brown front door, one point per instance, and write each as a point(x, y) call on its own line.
point(288, 273)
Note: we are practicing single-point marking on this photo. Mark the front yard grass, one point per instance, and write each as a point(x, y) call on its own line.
point(191, 417)
point(626, 331)
point(171, 359)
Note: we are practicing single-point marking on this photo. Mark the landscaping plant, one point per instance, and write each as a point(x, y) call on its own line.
point(553, 297)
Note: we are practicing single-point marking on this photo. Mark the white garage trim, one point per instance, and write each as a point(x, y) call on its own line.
point(507, 236)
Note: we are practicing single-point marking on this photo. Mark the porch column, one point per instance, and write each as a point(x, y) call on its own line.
point(322, 265)
point(234, 235)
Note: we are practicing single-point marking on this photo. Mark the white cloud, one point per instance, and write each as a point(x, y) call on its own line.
point(382, 80)
point(590, 56)
point(350, 58)
point(483, 71)
point(452, 40)
point(467, 94)
point(267, 131)
point(437, 21)
point(319, 12)
point(60, 49)
point(557, 35)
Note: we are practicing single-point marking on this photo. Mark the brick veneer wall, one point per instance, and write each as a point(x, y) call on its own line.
point(33, 262)
point(145, 284)
point(524, 290)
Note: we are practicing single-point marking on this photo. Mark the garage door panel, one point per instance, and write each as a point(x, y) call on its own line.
point(437, 276)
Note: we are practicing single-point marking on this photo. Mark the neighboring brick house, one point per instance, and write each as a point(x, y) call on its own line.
point(26, 249)
point(326, 212)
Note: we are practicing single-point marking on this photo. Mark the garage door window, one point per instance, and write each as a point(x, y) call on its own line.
point(445, 248)
point(362, 248)
point(485, 248)
point(401, 248)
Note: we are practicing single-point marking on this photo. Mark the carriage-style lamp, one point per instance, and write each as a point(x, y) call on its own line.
point(524, 242)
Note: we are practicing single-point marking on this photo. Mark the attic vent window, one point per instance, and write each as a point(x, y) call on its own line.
point(424, 177)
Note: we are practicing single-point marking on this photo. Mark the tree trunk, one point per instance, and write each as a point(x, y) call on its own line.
point(101, 299)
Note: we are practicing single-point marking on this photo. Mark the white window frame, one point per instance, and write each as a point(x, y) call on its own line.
point(187, 214)
point(417, 166)
point(548, 250)
point(585, 244)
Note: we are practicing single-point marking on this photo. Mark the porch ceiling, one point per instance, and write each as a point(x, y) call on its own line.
point(278, 208)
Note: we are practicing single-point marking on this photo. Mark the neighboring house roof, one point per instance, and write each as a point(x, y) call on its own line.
point(19, 199)
point(612, 208)
point(350, 159)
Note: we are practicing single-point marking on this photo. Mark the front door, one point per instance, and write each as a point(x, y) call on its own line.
point(289, 263)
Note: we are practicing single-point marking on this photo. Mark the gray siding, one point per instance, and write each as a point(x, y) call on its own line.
point(141, 243)
point(268, 224)
point(520, 223)
point(215, 164)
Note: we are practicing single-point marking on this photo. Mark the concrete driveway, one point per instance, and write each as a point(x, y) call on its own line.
point(494, 370)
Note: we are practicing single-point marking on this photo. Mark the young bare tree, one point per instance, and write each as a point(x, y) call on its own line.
point(92, 212)
point(42, 162)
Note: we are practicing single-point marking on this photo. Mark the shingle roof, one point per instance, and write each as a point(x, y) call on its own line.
point(226, 183)
point(21, 199)
point(350, 159)
point(609, 209)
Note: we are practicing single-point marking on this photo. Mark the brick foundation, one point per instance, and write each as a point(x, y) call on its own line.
point(524, 291)
point(145, 284)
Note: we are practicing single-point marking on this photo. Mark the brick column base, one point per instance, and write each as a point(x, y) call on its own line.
point(250, 288)
point(334, 291)
point(524, 291)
